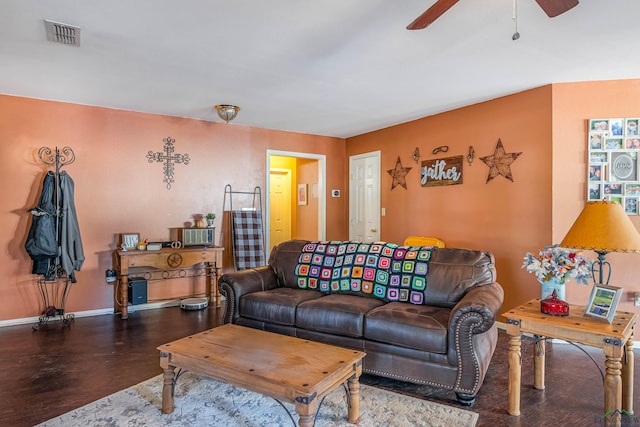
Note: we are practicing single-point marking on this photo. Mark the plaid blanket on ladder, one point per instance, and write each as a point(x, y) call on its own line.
point(248, 243)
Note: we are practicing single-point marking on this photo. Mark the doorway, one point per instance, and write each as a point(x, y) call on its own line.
point(364, 197)
point(286, 216)
point(280, 223)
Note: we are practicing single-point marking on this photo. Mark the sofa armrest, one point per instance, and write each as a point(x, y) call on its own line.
point(472, 335)
point(483, 302)
point(238, 283)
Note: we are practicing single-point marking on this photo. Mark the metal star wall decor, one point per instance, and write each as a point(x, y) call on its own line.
point(399, 175)
point(500, 162)
point(169, 159)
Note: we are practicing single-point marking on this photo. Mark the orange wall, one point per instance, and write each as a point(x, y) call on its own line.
point(504, 217)
point(548, 125)
point(573, 105)
point(118, 190)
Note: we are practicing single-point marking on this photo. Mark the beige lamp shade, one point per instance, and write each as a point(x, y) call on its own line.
point(603, 226)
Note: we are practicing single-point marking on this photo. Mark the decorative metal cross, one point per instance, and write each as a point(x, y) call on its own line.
point(169, 158)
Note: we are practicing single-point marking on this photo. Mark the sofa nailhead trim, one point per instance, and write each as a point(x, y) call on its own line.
point(475, 359)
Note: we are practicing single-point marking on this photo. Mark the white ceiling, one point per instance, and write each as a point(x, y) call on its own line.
point(328, 67)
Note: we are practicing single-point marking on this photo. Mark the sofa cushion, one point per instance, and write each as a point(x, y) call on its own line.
point(420, 327)
point(276, 305)
point(283, 261)
point(454, 271)
point(336, 314)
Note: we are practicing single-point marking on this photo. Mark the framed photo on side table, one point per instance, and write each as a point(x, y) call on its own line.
point(129, 240)
point(603, 301)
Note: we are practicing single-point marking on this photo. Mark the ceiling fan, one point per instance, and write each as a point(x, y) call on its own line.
point(551, 8)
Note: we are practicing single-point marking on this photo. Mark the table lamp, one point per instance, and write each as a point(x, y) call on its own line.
point(603, 227)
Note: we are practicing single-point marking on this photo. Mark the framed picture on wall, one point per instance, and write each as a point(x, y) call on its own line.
point(595, 191)
point(616, 127)
point(613, 146)
point(631, 127)
point(603, 301)
point(302, 194)
point(596, 172)
point(599, 125)
point(596, 140)
point(631, 205)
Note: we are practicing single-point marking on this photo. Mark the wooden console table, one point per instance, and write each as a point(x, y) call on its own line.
point(616, 339)
point(164, 262)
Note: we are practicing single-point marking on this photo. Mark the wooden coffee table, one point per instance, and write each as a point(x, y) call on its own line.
point(289, 369)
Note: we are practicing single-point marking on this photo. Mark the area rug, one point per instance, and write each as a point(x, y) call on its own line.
point(205, 402)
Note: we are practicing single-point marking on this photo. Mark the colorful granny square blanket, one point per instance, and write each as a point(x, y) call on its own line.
point(384, 270)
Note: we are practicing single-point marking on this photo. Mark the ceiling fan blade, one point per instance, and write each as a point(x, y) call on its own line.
point(431, 14)
point(556, 7)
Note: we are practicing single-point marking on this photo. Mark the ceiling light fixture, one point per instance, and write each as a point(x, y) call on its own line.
point(227, 112)
point(515, 35)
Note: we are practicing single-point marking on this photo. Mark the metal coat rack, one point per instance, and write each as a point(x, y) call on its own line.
point(54, 286)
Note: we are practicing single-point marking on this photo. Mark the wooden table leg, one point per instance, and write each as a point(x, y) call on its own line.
point(627, 377)
point(354, 400)
point(613, 384)
point(210, 273)
point(306, 421)
point(515, 372)
point(124, 296)
point(218, 273)
point(168, 383)
point(538, 363)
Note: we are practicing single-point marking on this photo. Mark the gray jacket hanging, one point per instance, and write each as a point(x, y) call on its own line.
point(71, 251)
point(42, 244)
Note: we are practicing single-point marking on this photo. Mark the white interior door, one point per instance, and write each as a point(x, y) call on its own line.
point(364, 197)
point(279, 206)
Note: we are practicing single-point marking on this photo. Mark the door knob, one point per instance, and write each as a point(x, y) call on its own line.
point(373, 230)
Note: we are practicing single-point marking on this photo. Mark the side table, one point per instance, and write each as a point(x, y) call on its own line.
point(616, 340)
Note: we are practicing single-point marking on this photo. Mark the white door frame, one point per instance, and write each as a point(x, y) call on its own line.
point(322, 198)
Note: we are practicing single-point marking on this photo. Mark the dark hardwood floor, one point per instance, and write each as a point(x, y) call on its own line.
point(56, 369)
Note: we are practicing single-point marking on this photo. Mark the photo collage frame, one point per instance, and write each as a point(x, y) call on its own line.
point(614, 150)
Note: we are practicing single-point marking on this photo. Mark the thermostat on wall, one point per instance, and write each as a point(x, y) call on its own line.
point(335, 193)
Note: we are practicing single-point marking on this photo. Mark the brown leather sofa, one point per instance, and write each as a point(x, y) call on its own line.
point(446, 341)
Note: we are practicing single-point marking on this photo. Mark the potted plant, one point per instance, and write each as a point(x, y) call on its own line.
point(210, 218)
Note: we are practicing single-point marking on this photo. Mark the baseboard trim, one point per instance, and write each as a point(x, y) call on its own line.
point(503, 326)
point(89, 313)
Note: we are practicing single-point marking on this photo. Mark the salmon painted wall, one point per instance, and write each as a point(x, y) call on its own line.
point(504, 217)
point(549, 126)
point(573, 105)
point(118, 190)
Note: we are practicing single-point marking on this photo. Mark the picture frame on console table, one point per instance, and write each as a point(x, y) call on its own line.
point(603, 301)
point(129, 241)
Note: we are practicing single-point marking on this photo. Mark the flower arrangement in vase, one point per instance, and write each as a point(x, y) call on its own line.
point(554, 266)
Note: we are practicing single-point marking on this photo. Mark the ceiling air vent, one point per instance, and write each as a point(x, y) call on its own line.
point(62, 33)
